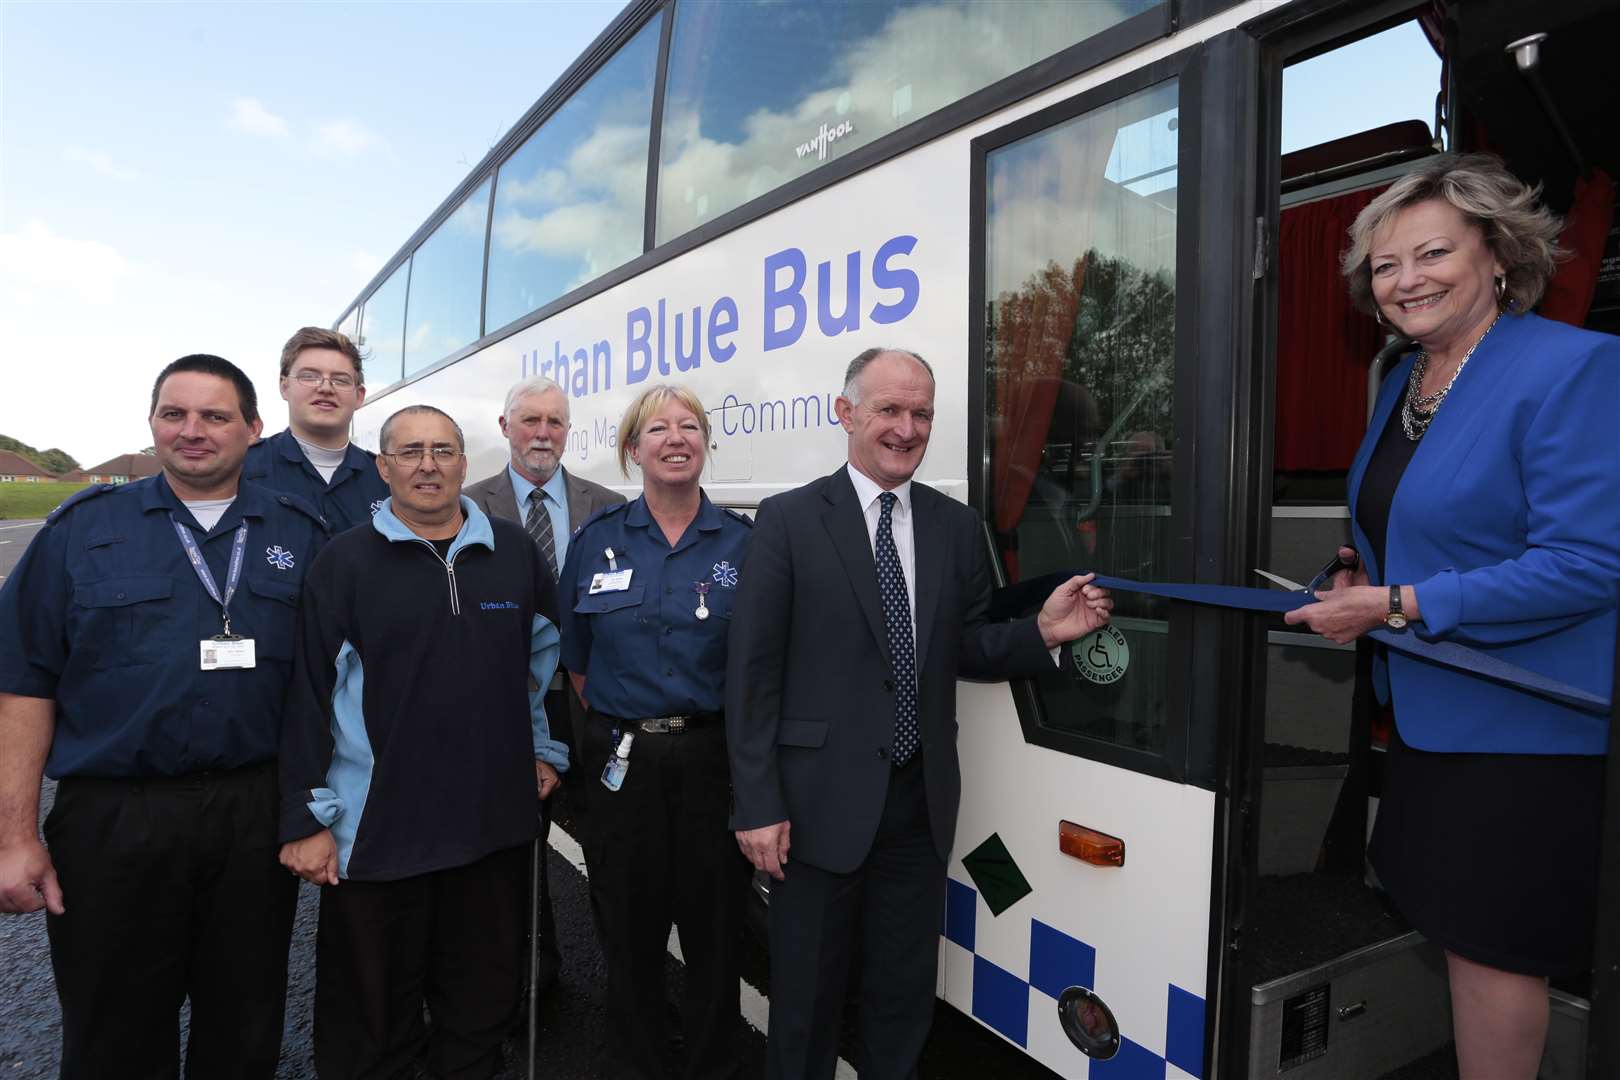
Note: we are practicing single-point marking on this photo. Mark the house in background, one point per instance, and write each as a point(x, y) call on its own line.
point(16, 469)
point(119, 470)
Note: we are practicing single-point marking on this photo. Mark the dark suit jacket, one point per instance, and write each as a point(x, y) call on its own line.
point(494, 497)
point(809, 688)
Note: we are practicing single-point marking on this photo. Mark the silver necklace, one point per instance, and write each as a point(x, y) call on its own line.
point(1417, 412)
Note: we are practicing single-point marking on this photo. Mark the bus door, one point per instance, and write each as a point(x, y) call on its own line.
point(1079, 916)
point(1335, 983)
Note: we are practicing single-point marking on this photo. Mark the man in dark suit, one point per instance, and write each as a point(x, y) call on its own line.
point(550, 502)
point(861, 601)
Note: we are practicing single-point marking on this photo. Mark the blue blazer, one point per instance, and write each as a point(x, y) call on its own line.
point(1507, 524)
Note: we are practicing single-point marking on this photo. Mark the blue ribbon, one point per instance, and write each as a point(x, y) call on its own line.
point(1021, 596)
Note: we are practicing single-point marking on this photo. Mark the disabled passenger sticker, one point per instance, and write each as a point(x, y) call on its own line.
point(1102, 656)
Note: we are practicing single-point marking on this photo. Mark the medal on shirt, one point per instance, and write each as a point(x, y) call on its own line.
point(224, 651)
point(702, 590)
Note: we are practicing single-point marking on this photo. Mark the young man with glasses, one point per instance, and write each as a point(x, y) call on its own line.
point(323, 383)
point(414, 758)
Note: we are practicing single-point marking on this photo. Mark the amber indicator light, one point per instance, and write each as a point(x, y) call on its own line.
point(1089, 845)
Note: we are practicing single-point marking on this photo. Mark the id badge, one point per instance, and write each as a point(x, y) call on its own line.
point(618, 581)
point(226, 654)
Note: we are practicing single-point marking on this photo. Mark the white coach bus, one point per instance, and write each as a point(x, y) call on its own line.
point(1112, 227)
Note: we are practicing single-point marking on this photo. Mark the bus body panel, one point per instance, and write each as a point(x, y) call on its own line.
point(904, 226)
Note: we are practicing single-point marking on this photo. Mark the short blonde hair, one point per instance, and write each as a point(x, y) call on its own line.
point(641, 410)
point(1519, 231)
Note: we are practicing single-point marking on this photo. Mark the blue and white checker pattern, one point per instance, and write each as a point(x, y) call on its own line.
point(1004, 1002)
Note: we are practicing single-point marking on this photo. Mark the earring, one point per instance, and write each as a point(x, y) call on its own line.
point(1378, 316)
point(1501, 289)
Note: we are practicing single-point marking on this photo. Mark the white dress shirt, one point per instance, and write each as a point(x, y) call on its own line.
point(866, 493)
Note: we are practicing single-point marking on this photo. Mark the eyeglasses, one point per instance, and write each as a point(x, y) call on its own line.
point(312, 379)
point(412, 455)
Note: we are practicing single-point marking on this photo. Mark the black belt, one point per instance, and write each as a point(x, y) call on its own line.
point(664, 725)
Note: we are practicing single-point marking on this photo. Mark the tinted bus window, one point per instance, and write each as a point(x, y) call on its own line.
point(570, 204)
point(759, 93)
point(382, 328)
point(446, 279)
point(1080, 278)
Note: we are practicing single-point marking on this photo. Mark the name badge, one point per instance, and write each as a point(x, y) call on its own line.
point(618, 581)
point(218, 655)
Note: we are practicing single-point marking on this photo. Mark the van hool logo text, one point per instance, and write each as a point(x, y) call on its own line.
point(827, 134)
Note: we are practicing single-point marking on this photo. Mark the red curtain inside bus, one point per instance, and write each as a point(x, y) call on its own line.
point(1586, 228)
point(1324, 345)
point(1033, 329)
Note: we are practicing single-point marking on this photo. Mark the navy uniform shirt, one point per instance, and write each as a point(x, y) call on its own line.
point(350, 499)
point(643, 650)
point(105, 613)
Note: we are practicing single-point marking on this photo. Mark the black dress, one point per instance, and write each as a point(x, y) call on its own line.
point(1492, 856)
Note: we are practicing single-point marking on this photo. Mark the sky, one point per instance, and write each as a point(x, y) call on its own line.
point(208, 177)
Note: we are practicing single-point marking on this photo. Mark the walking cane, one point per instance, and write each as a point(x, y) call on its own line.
point(537, 880)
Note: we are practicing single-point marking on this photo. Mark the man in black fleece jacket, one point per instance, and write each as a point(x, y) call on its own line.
point(414, 757)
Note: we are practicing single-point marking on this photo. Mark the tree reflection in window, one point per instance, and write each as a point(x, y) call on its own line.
point(1079, 347)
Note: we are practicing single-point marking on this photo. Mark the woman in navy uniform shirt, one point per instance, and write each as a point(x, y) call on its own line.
point(645, 597)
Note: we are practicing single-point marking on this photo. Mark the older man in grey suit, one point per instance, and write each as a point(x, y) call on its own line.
point(550, 502)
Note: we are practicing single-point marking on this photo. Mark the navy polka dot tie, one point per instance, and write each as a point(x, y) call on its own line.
point(897, 619)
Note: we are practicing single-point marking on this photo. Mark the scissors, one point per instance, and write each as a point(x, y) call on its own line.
point(1339, 563)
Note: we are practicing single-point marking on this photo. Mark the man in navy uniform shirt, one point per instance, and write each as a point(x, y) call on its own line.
point(146, 641)
point(323, 383)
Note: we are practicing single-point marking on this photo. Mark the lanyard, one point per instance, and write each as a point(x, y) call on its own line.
point(206, 576)
point(1008, 601)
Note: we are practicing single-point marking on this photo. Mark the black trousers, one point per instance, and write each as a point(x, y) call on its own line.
point(172, 890)
point(450, 939)
point(890, 909)
point(660, 853)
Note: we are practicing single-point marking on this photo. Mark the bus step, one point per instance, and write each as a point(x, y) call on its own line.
point(1375, 1010)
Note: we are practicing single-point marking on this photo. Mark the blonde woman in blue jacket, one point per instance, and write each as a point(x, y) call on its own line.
point(1485, 506)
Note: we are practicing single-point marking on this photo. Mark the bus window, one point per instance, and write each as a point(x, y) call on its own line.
point(758, 94)
point(382, 327)
point(1080, 283)
point(1318, 108)
point(350, 326)
point(446, 278)
point(570, 203)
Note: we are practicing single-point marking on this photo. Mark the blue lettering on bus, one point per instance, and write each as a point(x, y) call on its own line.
point(637, 353)
point(721, 351)
point(689, 355)
point(886, 277)
point(791, 259)
point(831, 325)
point(589, 369)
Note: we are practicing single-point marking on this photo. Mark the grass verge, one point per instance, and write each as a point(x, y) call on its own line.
point(21, 502)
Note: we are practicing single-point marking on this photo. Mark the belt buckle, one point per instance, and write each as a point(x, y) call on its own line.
point(664, 725)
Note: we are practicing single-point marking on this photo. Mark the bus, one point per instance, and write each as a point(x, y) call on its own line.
point(1112, 227)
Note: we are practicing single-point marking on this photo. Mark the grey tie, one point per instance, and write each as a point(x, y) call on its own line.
point(897, 620)
point(538, 524)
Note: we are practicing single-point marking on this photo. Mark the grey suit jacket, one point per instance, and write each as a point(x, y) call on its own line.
point(494, 497)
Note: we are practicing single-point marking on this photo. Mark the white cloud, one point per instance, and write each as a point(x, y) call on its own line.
point(250, 115)
point(33, 257)
point(365, 264)
point(100, 162)
point(345, 138)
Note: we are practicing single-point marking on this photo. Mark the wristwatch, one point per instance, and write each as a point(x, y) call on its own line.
point(1396, 618)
